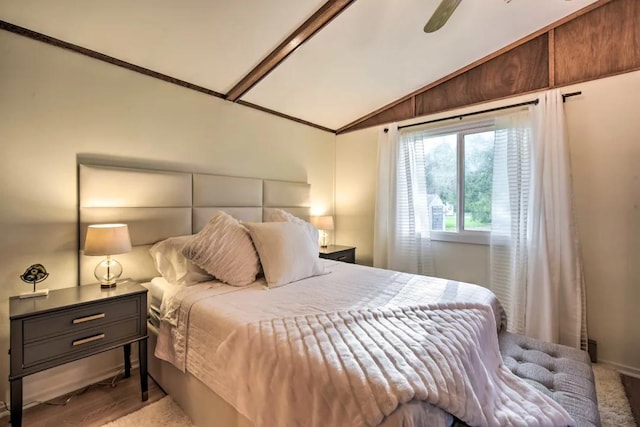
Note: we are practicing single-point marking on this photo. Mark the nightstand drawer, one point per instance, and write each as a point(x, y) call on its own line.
point(80, 341)
point(73, 320)
point(345, 256)
point(339, 253)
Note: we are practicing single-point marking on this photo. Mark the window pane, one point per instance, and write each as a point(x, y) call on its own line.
point(478, 177)
point(441, 166)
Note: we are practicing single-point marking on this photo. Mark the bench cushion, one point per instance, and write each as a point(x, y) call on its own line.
point(562, 373)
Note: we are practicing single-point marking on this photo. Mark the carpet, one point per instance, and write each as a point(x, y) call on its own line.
point(165, 412)
point(612, 403)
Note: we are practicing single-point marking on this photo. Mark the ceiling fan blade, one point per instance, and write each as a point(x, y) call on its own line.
point(441, 15)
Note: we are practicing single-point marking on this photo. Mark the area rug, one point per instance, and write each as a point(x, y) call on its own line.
point(612, 400)
point(612, 403)
point(165, 412)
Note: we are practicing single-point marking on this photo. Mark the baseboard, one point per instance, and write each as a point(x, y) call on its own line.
point(61, 380)
point(623, 369)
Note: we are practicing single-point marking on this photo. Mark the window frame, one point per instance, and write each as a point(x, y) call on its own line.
point(462, 235)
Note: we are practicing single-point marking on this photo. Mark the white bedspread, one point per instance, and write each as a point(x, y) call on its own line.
point(356, 368)
point(202, 316)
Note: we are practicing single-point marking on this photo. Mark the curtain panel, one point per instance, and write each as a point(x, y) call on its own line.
point(402, 234)
point(509, 245)
point(536, 268)
point(556, 306)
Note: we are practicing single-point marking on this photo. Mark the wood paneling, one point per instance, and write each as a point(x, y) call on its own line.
point(523, 69)
point(604, 42)
point(600, 40)
point(353, 125)
point(400, 111)
point(552, 57)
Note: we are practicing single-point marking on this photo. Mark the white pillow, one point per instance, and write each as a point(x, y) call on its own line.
point(224, 249)
point(279, 215)
point(286, 252)
point(173, 266)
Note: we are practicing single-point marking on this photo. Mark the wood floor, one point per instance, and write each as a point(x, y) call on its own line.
point(100, 404)
point(632, 388)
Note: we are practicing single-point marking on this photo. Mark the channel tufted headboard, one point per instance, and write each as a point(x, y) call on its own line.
point(159, 204)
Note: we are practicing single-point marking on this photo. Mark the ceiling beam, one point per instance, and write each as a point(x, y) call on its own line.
point(25, 32)
point(311, 26)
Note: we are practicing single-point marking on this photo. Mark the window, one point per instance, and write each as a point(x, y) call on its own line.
point(459, 173)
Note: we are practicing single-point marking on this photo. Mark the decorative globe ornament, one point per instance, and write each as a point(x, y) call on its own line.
point(32, 275)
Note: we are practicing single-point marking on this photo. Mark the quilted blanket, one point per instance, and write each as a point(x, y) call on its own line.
point(354, 368)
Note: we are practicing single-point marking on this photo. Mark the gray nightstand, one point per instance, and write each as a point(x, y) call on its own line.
point(339, 253)
point(71, 324)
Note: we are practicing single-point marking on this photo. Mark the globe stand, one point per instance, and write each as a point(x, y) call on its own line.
point(34, 274)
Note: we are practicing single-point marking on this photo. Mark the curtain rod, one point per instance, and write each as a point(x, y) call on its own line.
point(490, 110)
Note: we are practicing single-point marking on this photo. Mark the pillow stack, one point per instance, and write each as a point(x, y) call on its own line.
point(287, 249)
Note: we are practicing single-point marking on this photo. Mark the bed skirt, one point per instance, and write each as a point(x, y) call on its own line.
point(199, 402)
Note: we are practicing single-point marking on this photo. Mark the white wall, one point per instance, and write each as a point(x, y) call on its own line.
point(604, 133)
point(56, 105)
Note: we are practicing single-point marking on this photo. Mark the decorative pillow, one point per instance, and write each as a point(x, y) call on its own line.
point(286, 252)
point(279, 215)
point(173, 266)
point(224, 249)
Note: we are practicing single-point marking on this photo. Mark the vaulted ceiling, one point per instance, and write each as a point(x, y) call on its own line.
point(369, 55)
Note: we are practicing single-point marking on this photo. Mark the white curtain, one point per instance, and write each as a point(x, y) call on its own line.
point(555, 295)
point(536, 270)
point(510, 215)
point(401, 234)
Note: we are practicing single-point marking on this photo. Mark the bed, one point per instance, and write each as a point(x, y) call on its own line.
point(159, 205)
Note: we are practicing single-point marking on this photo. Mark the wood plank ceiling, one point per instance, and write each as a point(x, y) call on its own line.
point(600, 40)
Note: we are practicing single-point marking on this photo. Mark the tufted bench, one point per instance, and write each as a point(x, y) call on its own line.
point(562, 373)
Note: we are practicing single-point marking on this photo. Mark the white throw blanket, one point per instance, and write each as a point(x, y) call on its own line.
point(354, 368)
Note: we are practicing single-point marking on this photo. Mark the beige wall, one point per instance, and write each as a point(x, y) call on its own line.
point(604, 133)
point(56, 105)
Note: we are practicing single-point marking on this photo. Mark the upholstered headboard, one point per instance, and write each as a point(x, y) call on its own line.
point(160, 204)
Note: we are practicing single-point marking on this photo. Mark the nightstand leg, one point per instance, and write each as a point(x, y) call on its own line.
point(16, 403)
point(127, 360)
point(142, 358)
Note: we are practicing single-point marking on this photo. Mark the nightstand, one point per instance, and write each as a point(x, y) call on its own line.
point(339, 253)
point(71, 324)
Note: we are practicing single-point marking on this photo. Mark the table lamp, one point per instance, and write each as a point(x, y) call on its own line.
point(107, 239)
point(323, 223)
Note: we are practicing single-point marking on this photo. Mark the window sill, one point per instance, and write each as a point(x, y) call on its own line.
point(471, 237)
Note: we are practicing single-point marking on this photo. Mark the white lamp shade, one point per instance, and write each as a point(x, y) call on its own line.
point(324, 222)
point(107, 239)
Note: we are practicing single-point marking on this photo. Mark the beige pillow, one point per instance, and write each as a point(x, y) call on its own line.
point(286, 252)
point(282, 216)
point(224, 249)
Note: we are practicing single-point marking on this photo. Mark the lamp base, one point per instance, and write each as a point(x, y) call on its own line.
point(108, 272)
point(31, 294)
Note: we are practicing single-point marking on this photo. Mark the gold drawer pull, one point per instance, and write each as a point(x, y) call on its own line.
point(88, 340)
point(88, 318)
